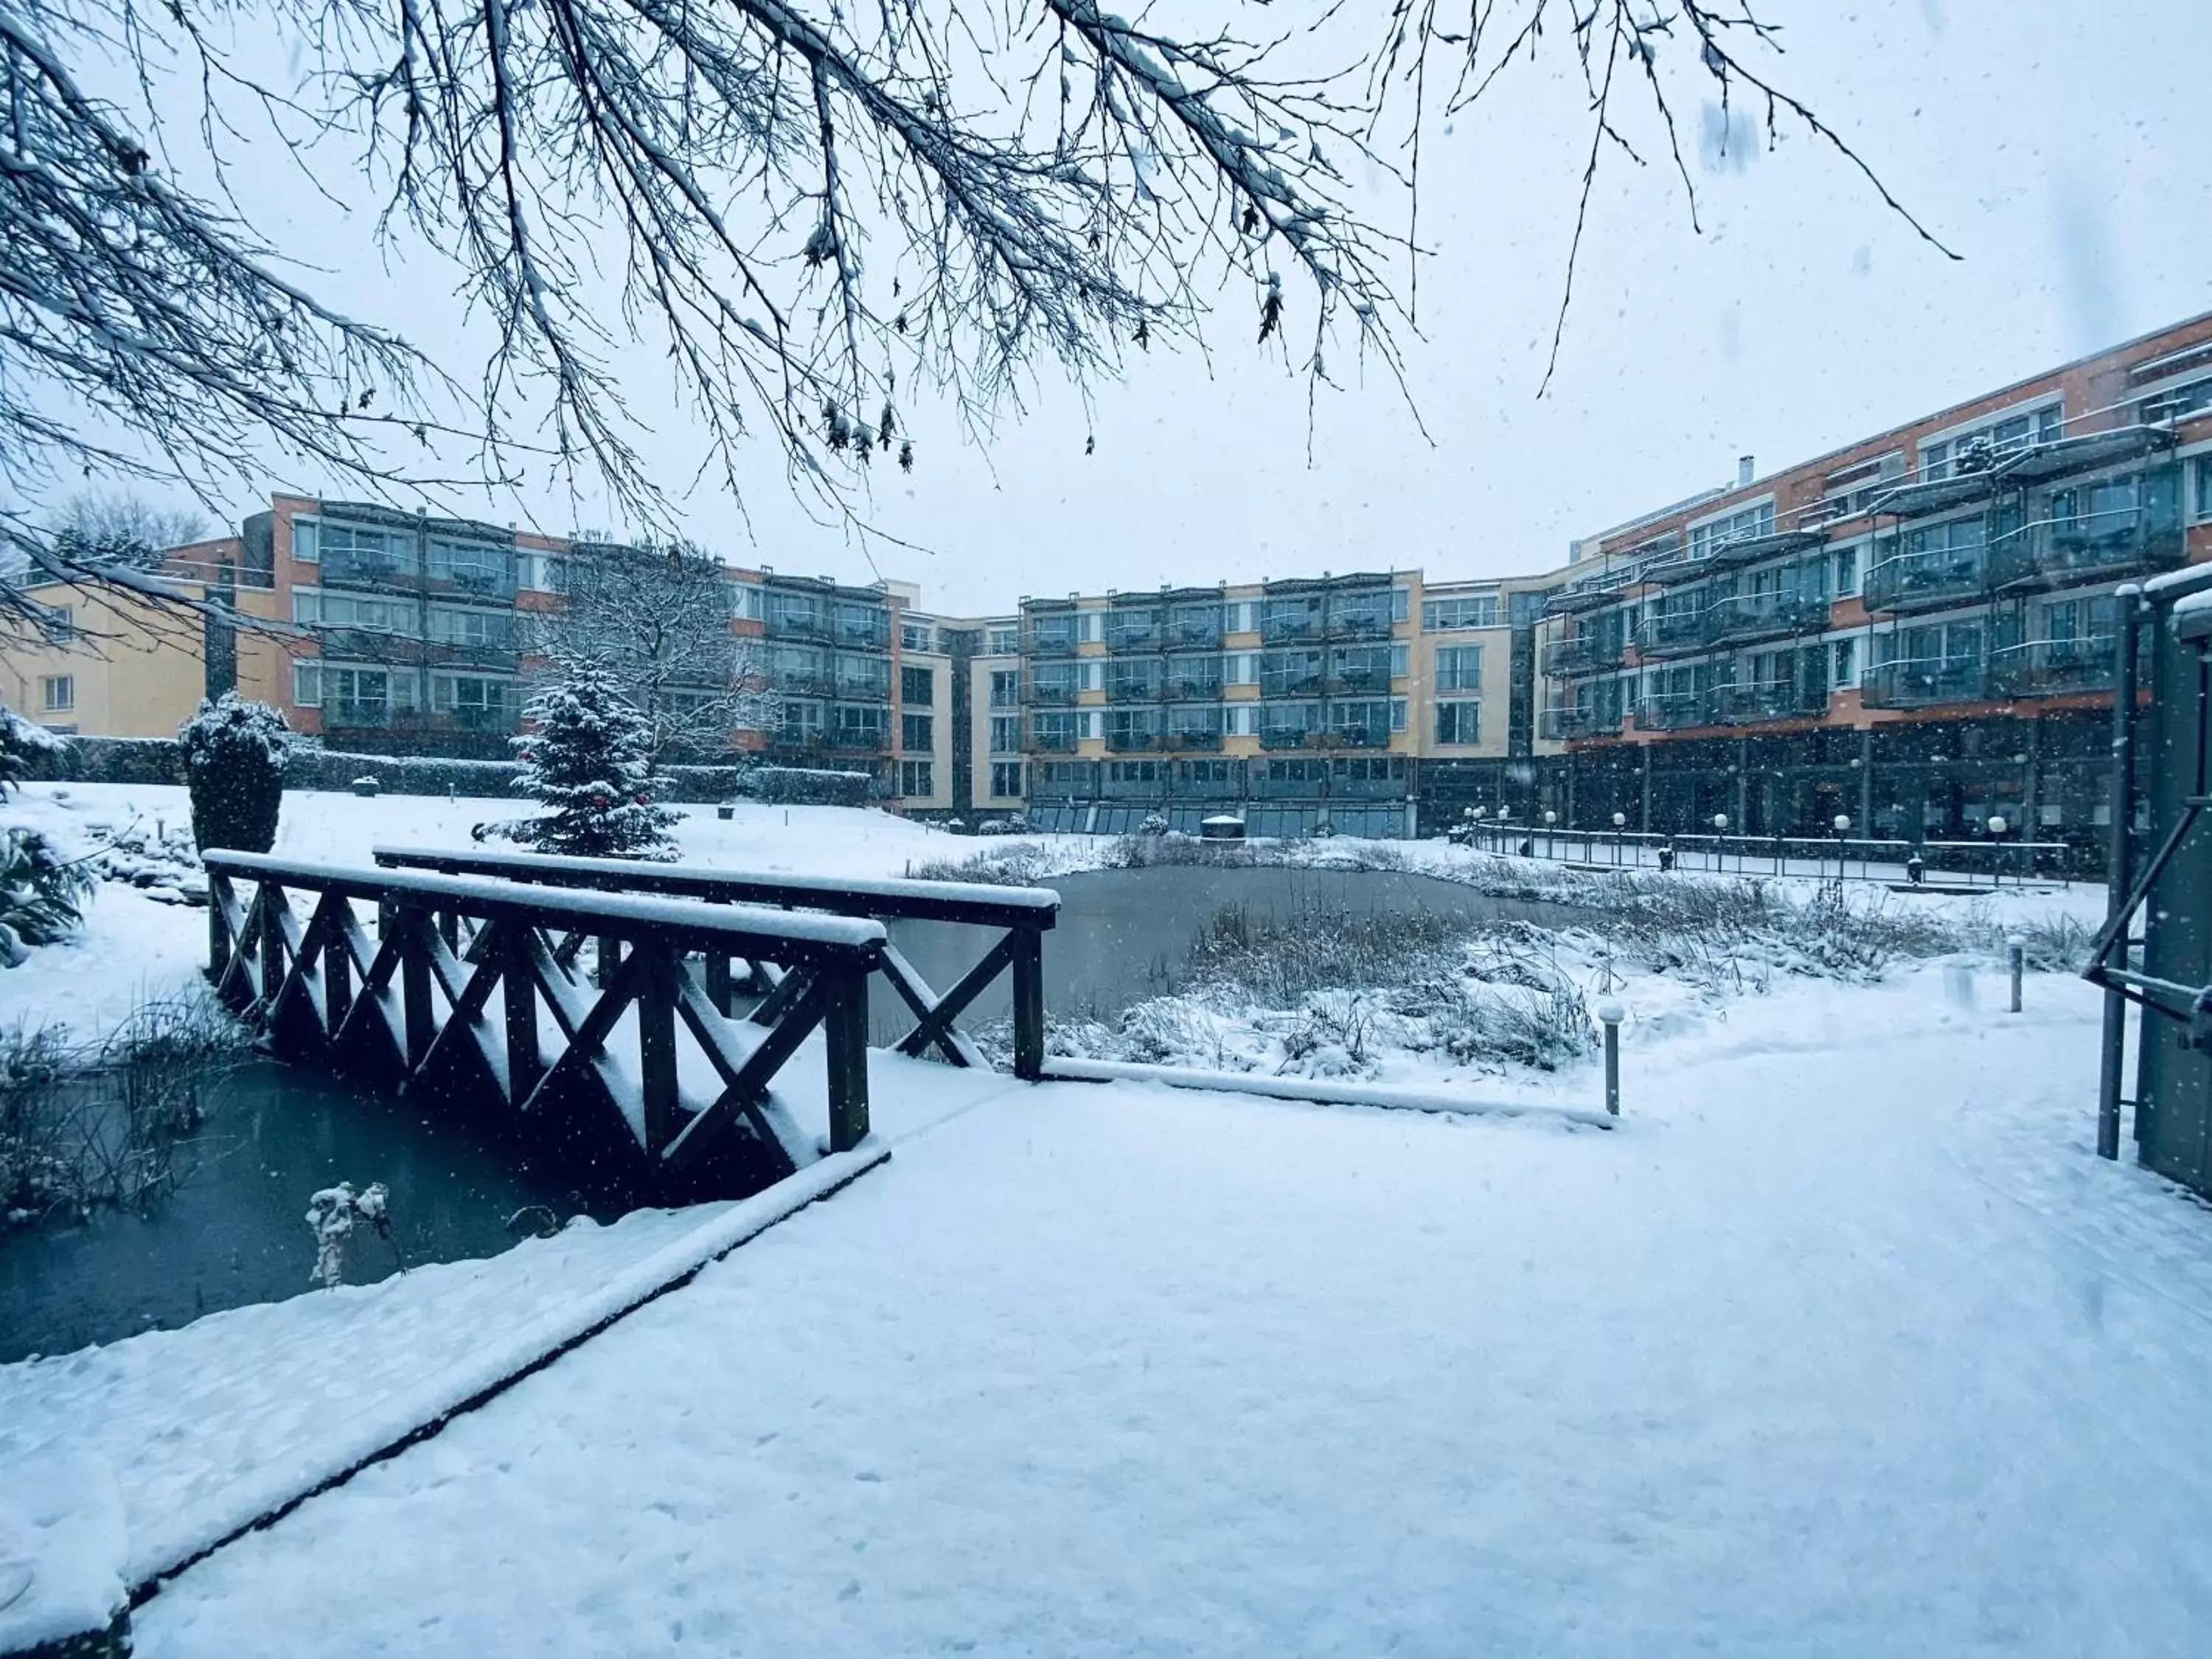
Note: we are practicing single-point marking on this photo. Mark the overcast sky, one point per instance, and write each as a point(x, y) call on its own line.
point(2059, 147)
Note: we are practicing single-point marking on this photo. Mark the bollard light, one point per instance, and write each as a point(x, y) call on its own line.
point(1620, 820)
point(1843, 823)
point(1996, 824)
point(1720, 822)
point(1610, 1011)
point(2016, 949)
point(1550, 817)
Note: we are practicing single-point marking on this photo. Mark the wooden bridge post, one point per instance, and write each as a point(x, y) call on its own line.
point(608, 956)
point(719, 988)
point(272, 942)
point(219, 941)
point(845, 1036)
point(656, 1043)
point(1029, 1003)
point(414, 930)
point(338, 966)
point(518, 991)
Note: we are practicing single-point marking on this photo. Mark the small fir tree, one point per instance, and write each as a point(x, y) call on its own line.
point(588, 759)
point(235, 751)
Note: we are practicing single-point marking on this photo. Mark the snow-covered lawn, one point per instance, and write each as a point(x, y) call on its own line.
point(1845, 1344)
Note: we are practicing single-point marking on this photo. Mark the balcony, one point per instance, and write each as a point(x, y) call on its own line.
point(2060, 552)
point(1677, 711)
point(1766, 616)
point(2053, 668)
point(798, 622)
point(1582, 653)
point(1566, 723)
point(1133, 630)
point(1361, 621)
point(861, 739)
point(367, 570)
point(1052, 639)
point(473, 653)
point(1356, 737)
point(1198, 626)
point(1671, 633)
point(1287, 737)
point(355, 714)
point(1926, 682)
point(1755, 705)
point(1906, 580)
point(1053, 743)
point(1193, 741)
point(1183, 688)
point(1135, 742)
point(852, 690)
point(1134, 691)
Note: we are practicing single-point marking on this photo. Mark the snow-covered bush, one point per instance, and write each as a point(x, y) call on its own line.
point(20, 740)
point(1154, 824)
point(235, 750)
point(42, 894)
point(588, 759)
point(335, 1215)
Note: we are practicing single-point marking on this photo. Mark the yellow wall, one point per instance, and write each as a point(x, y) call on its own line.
point(136, 672)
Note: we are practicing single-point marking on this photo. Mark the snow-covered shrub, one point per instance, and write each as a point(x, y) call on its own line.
point(588, 759)
point(20, 741)
point(335, 1215)
point(1154, 823)
point(42, 894)
point(235, 750)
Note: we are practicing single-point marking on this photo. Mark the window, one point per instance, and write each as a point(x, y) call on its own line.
point(1847, 573)
point(917, 778)
point(1003, 641)
point(1459, 668)
point(1055, 730)
point(1240, 668)
point(306, 541)
point(2178, 403)
point(1401, 660)
point(57, 692)
point(451, 625)
point(917, 636)
point(1458, 722)
point(1398, 714)
point(1089, 726)
point(801, 723)
point(1086, 627)
point(918, 687)
point(1006, 688)
point(306, 684)
point(61, 624)
point(475, 702)
point(364, 696)
point(750, 601)
point(1715, 534)
point(475, 567)
point(1846, 657)
point(1005, 734)
point(313, 608)
point(1447, 616)
point(2200, 472)
point(2000, 437)
point(916, 733)
point(351, 552)
point(1089, 676)
point(1006, 779)
point(1401, 603)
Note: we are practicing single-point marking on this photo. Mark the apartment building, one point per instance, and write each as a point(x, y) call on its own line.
point(1914, 632)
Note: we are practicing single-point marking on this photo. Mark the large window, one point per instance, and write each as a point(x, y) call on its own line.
point(917, 779)
point(1715, 534)
point(352, 552)
point(1447, 616)
point(473, 567)
point(1006, 688)
point(918, 687)
point(476, 702)
point(917, 636)
point(1459, 668)
point(801, 722)
point(1458, 722)
point(1002, 641)
point(1006, 779)
point(1845, 664)
point(57, 693)
point(1005, 734)
point(2200, 473)
point(1998, 438)
point(312, 608)
point(491, 629)
point(1053, 729)
point(917, 733)
point(351, 696)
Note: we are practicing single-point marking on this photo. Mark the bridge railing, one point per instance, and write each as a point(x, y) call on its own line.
point(1021, 915)
point(415, 997)
point(1820, 856)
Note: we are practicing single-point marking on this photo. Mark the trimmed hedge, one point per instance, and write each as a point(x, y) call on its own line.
point(160, 760)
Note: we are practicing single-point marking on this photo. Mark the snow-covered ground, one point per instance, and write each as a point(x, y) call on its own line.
point(1844, 1343)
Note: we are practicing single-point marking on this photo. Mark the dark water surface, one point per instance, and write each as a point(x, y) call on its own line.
point(234, 1232)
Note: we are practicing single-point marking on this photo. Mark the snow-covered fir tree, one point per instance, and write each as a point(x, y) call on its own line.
point(588, 759)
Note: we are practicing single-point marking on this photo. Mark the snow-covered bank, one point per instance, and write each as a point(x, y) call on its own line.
point(1845, 1344)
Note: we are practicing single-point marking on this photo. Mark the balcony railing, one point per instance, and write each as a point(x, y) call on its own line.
point(1669, 633)
point(1287, 737)
point(1564, 724)
point(1763, 615)
point(1751, 705)
point(1675, 712)
point(1192, 740)
point(1056, 640)
point(1143, 690)
point(1924, 682)
point(1365, 622)
point(1053, 743)
point(1050, 694)
point(1358, 681)
point(1133, 743)
point(1195, 628)
point(853, 691)
point(2053, 668)
point(1921, 581)
point(2056, 552)
point(859, 738)
point(1182, 688)
point(1582, 653)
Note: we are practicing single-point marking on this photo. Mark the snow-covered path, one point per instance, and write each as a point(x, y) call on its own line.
point(1844, 1344)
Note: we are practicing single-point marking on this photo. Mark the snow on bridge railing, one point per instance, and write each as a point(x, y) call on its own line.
point(1022, 915)
point(412, 1001)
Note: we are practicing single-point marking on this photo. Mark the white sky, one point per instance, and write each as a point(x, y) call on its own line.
point(2058, 146)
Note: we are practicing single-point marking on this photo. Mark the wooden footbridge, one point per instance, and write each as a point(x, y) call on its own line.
point(596, 996)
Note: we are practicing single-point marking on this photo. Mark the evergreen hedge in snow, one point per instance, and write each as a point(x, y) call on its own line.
point(589, 762)
point(20, 744)
point(235, 751)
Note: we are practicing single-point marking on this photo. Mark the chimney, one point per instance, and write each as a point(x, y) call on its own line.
point(1743, 471)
